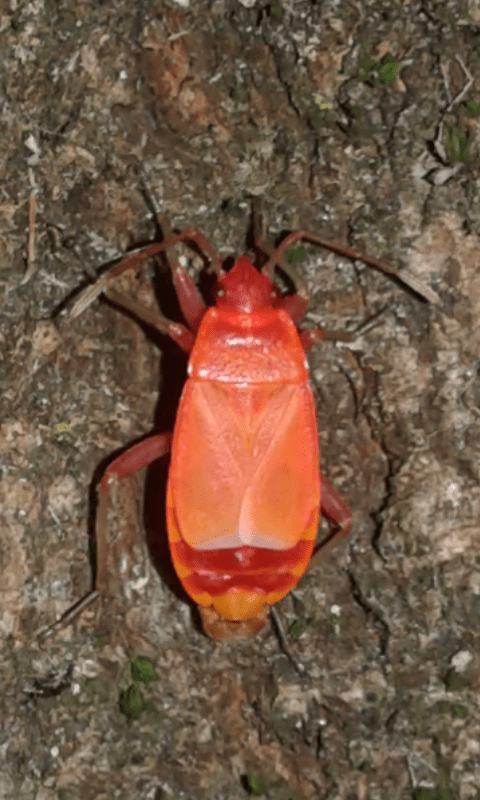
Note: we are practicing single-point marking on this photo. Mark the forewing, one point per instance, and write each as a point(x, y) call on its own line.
point(244, 468)
point(283, 492)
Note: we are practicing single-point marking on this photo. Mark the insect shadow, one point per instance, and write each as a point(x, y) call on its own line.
point(173, 377)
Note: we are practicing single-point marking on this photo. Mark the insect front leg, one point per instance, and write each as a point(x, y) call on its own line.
point(335, 247)
point(190, 300)
point(404, 277)
point(294, 304)
point(178, 332)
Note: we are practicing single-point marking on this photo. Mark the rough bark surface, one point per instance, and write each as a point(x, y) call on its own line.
point(111, 111)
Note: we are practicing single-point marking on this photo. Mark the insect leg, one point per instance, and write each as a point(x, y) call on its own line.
point(133, 460)
point(335, 247)
point(404, 277)
point(128, 463)
point(190, 300)
point(335, 508)
point(135, 259)
point(295, 304)
point(178, 332)
point(313, 335)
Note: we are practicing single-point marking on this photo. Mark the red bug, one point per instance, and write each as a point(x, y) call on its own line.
point(244, 489)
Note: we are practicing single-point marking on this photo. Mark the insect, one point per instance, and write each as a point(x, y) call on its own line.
point(244, 489)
